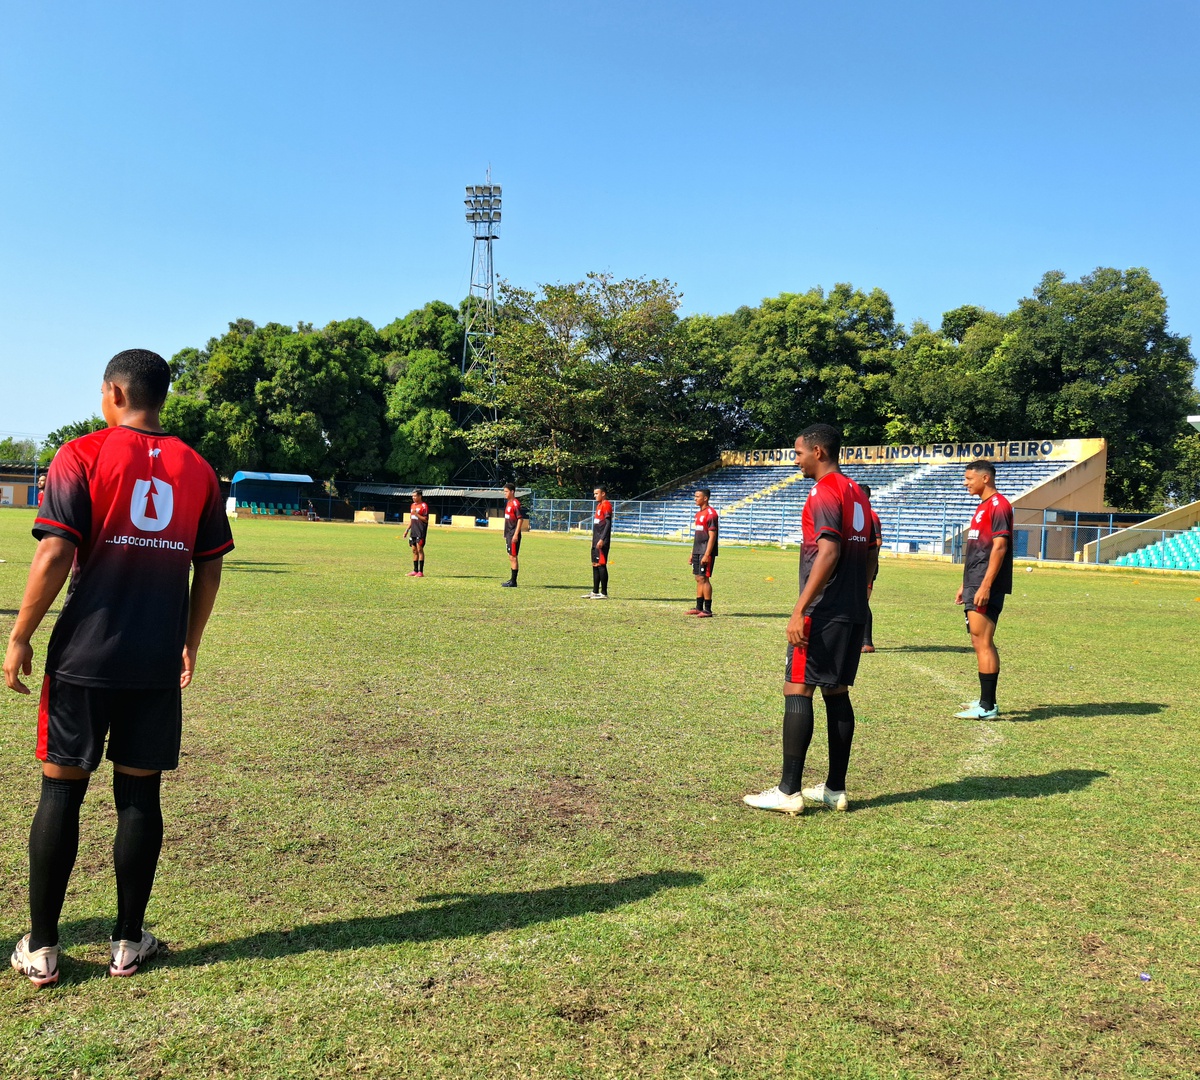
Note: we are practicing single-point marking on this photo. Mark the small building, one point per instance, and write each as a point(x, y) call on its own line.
point(267, 493)
point(18, 483)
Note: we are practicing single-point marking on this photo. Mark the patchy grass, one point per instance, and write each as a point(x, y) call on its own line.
point(436, 828)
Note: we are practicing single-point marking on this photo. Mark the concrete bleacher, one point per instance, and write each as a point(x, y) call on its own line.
point(1178, 552)
point(921, 506)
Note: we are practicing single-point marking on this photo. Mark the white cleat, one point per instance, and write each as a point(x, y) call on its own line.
point(129, 956)
point(40, 966)
point(774, 799)
point(590, 595)
point(836, 800)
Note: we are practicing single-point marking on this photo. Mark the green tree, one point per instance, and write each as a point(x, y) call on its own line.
point(66, 433)
point(426, 445)
point(17, 449)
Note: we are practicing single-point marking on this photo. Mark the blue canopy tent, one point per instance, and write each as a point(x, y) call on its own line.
point(269, 492)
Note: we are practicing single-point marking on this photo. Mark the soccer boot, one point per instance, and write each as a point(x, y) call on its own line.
point(774, 799)
point(821, 794)
point(411, 573)
point(590, 595)
point(975, 711)
point(40, 967)
point(703, 614)
point(129, 956)
point(508, 584)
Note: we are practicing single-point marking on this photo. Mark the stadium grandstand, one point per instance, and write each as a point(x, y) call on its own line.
point(917, 491)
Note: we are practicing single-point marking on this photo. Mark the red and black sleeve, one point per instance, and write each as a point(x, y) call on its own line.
point(826, 515)
point(213, 535)
point(66, 510)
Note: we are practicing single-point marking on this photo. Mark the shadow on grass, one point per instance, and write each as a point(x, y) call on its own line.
point(1096, 708)
point(453, 915)
point(983, 788)
point(9, 611)
point(755, 614)
point(925, 648)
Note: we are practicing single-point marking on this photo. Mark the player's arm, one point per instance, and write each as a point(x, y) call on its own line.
point(47, 575)
point(206, 580)
point(706, 560)
point(828, 552)
point(995, 560)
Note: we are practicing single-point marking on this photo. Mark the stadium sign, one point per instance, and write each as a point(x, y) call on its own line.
point(931, 454)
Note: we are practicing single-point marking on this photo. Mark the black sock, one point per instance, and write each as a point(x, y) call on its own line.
point(868, 638)
point(839, 719)
point(135, 849)
point(512, 576)
point(421, 567)
point(53, 845)
point(797, 734)
point(707, 604)
point(415, 565)
point(595, 579)
point(604, 580)
point(987, 690)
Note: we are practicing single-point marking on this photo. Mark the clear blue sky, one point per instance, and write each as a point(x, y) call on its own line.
point(166, 168)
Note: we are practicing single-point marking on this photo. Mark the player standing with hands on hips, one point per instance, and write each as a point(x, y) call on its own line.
point(135, 510)
point(418, 529)
point(987, 579)
point(825, 633)
point(602, 520)
point(704, 553)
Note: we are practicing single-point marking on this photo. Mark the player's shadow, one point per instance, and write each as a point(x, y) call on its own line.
point(442, 917)
point(1094, 708)
point(755, 614)
point(984, 788)
point(925, 648)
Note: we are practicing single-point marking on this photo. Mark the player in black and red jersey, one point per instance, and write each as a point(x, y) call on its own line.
point(418, 529)
point(135, 511)
point(602, 519)
point(825, 633)
point(987, 580)
point(869, 636)
point(512, 533)
point(704, 553)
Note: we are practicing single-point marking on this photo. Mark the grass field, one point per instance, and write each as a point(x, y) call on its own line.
point(436, 828)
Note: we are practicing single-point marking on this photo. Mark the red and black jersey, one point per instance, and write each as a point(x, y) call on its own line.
point(140, 507)
point(602, 521)
point(418, 519)
point(993, 517)
point(512, 518)
point(706, 522)
point(837, 509)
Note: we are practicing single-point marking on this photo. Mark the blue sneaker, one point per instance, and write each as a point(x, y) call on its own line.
point(975, 711)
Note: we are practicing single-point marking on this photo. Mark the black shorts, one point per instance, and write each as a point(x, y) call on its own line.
point(703, 571)
point(143, 726)
point(831, 656)
point(415, 538)
point(512, 543)
point(599, 558)
point(995, 604)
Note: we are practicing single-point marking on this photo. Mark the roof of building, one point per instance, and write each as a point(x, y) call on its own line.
point(399, 490)
point(277, 477)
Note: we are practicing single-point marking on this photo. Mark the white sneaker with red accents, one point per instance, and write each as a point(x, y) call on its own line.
point(129, 956)
point(40, 967)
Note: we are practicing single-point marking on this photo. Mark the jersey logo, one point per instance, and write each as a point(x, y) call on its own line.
point(155, 452)
point(163, 505)
point(860, 518)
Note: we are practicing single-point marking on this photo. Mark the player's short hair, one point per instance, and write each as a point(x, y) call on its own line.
point(825, 436)
point(509, 486)
point(706, 492)
point(866, 489)
point(981, 466)
point(142, 374)
point(418, 493)
point(600, 488)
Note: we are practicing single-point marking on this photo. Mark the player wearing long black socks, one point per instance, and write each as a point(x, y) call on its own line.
point(137, 512)
point(704, 553)
point(512, 534)
point(602, 520)
point(417, 531)
point(825, 632)
point(987, 579)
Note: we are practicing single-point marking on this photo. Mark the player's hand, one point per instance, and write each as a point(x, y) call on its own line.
point(795, 632)
point(188, 668)
point(18, 661)
point(958, 596)
point(982, 595)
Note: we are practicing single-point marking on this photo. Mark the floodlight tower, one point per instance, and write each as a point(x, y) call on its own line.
point(483, 215)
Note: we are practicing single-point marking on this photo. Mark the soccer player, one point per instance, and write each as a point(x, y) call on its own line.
point(704, 553)
point(418, 529)
point(512, 533)
point(602, 520)
point(869, 638)
point(135, 510)
point(825, 632)
point(987, 579)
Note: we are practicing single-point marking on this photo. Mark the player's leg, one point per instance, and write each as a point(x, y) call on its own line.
point(697, 574)
point(786, 796)
point(602, 577)
point(412, 544)
point(983, 633)
point(514, 547)
point(144, 742)
point(842, 644)
point(706, 588)
point(421, 557)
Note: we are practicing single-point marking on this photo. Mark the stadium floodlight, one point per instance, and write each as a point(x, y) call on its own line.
point(483, 210)
point(1193, 420)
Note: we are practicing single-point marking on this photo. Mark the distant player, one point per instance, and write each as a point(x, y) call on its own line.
point(602, 520)
point(418, 529)
point(136, 511)
point(987, 580)
point(41, 489)
point(704, 553)
point(825, 632)
point(869, 640)
point(512, 533)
